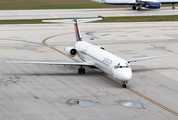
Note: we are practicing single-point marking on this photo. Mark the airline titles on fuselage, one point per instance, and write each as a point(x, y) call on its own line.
point(107, 61)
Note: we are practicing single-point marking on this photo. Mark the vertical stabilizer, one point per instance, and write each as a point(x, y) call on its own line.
point(77, 30)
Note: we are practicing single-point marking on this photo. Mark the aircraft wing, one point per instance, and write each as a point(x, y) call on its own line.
point(145, 58)
point(51, 63)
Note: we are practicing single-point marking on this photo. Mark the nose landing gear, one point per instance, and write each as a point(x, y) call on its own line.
point(124, 84)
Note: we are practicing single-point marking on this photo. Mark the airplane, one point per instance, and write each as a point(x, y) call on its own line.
point(93, 56)
point(151, 4)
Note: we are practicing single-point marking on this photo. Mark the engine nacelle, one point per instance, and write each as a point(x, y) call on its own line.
point(70, 51)
point(155, 5)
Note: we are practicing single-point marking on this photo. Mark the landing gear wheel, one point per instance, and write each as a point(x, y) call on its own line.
point(124, 86)
point(173, 7)
point(133, 8)
point(81, 70)
point(139, 9)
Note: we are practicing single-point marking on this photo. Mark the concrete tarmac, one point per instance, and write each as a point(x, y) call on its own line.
point(73, 13)
point(41, 92)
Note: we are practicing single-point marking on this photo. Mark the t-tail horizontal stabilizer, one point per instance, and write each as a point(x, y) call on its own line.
point(74, 20)
point(76, 24)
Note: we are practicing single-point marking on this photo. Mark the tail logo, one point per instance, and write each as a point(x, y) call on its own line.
point(77, 31)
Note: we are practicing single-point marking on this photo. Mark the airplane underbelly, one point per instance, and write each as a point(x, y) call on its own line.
point(104, 68)
point(84, 57)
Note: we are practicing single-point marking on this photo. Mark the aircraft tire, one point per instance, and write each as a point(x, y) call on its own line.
point(83, 70)
point(133, 8)
point(139, 9)
point(79, 70)
point(124, 86)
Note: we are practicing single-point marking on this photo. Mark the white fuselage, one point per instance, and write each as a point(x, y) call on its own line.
point(105, 61)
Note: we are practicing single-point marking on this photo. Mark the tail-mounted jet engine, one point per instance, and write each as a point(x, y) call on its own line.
point(156, 5)
point(70, 51)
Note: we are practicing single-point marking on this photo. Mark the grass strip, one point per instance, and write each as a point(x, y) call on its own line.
point(56, 4)
point(33, 21)
point(106, 19)
point(51, 4)
point(142, 19)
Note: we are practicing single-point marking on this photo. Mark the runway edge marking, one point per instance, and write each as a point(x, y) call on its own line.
point(146, 98)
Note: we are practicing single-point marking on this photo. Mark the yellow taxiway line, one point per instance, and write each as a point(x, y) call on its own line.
point(123, 15)
point(129, 23)
point(54, 16)
point(120, 14)
point(57, 17)
point(146, 98)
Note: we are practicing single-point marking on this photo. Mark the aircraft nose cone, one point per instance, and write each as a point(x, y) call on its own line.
point(123, 75)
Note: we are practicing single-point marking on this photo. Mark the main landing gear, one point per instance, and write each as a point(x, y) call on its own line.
point(173, 7)
point(139, 8)
point(81, 70)
point(134, 8)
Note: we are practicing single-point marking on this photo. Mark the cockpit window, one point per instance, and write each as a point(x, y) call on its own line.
point(122, 66)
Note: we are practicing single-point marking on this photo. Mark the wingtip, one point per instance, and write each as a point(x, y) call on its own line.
point(7, 61)
point(99, 16)
point(171, 54)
